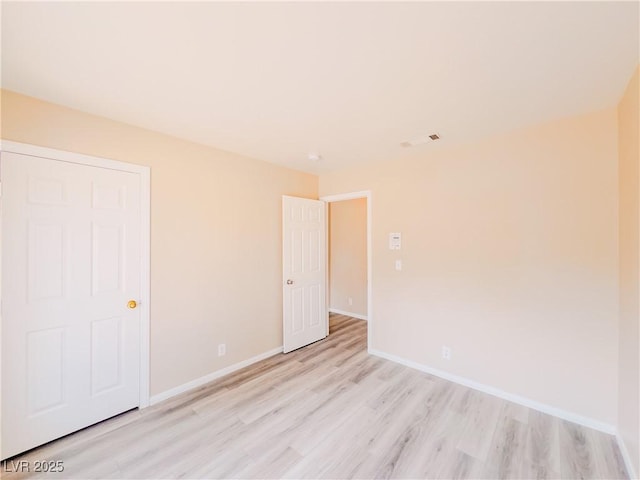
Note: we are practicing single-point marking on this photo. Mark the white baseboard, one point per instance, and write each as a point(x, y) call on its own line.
point(198, 382)
point(348, 314)
point(541, 407)
point(631, 471)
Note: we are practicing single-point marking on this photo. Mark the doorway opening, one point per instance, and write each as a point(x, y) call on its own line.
point(349, 259)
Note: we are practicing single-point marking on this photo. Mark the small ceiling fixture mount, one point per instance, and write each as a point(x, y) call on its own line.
point(314, 157)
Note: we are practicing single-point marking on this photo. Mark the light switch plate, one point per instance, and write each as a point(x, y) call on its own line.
point(395, 241)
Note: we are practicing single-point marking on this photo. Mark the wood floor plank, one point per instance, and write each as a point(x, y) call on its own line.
point(542, 452)
point(407, 457)
point(331, 411)
point(441, 455)
point(339, 404)
point(344, 461)
point(576, 459)
point(272, 463)
point(481, 421)
point(507, 453)
point(225, 464)
point(461, 466)
point(607, 456)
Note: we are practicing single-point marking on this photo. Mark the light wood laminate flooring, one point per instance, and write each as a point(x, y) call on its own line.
point(331, 411)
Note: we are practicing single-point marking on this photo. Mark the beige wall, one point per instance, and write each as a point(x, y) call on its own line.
point(629, 181)
point(510, 251)
point(216, 266)
point(348, 255)
point(510, 257)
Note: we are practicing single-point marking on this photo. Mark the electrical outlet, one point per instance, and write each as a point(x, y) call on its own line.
point(350, 301)
point(222, 350)
point(446, 352)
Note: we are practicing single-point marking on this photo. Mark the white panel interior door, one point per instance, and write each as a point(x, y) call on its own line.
point(71, 246)
point(304, 272)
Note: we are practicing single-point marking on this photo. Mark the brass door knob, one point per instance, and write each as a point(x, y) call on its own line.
point(132, 304)
point(289, 282)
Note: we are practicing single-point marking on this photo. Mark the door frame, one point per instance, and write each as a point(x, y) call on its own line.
point(352, 196)
point(145, 236)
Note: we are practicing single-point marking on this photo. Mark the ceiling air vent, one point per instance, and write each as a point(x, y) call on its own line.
point(420, 140)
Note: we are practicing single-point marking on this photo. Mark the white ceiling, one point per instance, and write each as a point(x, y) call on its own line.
point(350, 81)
